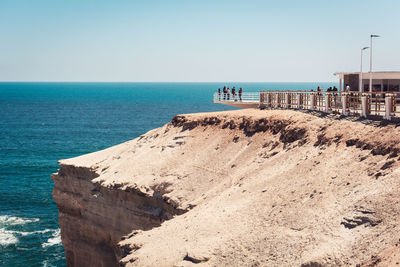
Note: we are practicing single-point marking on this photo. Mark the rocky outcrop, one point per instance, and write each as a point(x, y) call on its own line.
point(94, 218)
point(246, 187)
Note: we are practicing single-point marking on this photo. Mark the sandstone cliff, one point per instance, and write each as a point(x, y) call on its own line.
point(238, 188)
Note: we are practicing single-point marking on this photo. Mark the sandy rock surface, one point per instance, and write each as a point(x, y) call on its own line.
point(238, 188)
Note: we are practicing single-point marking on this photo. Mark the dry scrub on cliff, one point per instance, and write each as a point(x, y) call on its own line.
point(246, 187)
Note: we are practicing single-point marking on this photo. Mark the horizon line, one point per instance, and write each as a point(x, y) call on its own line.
point(166, 82)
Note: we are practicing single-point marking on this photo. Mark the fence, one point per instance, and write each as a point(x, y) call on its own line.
point(243, 97)
point(386, 104)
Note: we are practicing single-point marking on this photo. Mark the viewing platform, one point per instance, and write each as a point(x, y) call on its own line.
point(372, 94)
point(245, 100)
point(363, 104)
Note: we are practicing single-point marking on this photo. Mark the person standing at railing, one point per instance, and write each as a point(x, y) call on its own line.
point(328, 97)
point(228, 93)
point(219, 94)
point(240, 93)
point(234, 93)
point(334, 95)
point(351, 98)
point(224, 91)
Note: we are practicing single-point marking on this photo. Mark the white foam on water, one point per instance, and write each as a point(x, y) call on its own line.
point(10, 237)
point(43, 231)
point(11, 220)
point(7, 237)
point(46, 262)
point(34, 232)
point(54, 240)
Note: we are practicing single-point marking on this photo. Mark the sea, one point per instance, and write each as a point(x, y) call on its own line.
point(41, 123)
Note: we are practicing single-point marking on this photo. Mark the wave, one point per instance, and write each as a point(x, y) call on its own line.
point(7, 237)
point(54, 240)
point(34, 232)
point(11, 220)
point(11, 237)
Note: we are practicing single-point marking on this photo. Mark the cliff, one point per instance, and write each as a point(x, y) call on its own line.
point(246, 187)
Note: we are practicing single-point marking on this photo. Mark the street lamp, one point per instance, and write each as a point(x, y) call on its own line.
point(370, 62)
point(361, 88)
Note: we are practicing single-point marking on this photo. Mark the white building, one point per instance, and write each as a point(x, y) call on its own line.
point(382, 81)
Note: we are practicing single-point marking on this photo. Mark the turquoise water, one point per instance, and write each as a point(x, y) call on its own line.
point(41, 123)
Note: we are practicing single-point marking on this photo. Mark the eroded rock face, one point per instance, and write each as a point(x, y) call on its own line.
point(246, 187)
point(94, 218)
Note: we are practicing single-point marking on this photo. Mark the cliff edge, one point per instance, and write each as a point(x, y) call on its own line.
point(238, 188)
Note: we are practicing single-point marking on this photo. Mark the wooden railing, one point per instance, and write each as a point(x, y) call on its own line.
point(248, 97)
point(386, 104)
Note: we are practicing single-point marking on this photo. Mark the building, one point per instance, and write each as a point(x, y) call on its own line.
point(382, 81)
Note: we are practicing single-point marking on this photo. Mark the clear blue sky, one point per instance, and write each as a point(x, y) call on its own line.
point(187, 40)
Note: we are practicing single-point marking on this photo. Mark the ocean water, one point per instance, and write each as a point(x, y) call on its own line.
point(41, 123)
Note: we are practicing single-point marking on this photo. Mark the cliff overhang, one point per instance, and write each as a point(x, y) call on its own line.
point(246, 183)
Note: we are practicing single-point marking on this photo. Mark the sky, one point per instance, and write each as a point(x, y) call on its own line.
point(195, 41)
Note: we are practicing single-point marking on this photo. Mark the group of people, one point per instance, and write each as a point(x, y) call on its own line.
point(227, 93)
point(330, 89)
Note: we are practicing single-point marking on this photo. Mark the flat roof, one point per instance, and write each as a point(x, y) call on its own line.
point(357, 72)
point(375, 74)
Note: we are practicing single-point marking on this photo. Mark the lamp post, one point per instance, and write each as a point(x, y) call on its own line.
point(361, 88)
point(370, 62)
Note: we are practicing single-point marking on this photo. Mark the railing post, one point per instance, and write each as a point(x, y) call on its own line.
point(269, 100)
point(328, 102)
point(365, 109)
point(278, 100)
point(261, 104)
point(388, 106)
point(288, 100)
point(312, 101)
point(345, 103)
point(300, 100)
point(274, 100)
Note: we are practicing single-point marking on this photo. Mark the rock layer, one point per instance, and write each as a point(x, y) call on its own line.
point(93, 218)
point(247, 187)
